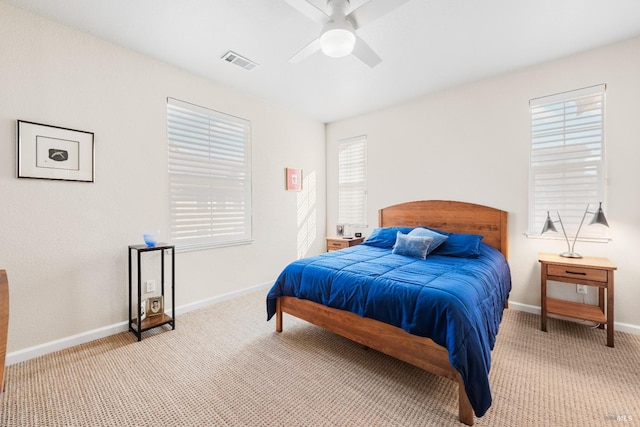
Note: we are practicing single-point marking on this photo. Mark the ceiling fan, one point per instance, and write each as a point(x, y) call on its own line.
point(338, 36)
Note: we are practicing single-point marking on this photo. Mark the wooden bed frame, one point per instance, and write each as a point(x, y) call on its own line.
point(458, 217)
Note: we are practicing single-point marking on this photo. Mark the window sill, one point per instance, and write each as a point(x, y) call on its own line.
point(207, 246)
point(580, 239)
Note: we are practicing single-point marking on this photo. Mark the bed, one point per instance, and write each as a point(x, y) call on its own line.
point(359, 294)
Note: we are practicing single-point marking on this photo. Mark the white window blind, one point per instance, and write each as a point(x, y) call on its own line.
point(352, 181)
point(209, 177)
point(567, 169)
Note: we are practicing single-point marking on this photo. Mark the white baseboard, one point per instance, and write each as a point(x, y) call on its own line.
point(618, 326)
point(524, 307)
point(57, 345)
point(215, 300)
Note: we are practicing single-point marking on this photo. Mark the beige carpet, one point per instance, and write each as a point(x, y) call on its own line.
point(225, 365)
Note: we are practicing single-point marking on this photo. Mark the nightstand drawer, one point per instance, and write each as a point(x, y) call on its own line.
point(334, 245)
point(575, 272)
point(337, 243)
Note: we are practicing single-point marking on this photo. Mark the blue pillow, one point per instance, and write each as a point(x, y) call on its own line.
point(413, 246)
point(459, 245)
point(385, 237)
point(438, 238)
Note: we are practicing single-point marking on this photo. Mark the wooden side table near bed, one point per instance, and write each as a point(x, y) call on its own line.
point(335, 243)
point(590, 271)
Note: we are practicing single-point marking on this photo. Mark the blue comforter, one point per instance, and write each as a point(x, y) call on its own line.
point(457, 302)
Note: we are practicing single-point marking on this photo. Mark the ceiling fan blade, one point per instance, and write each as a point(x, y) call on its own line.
point(309, 10)
point(364, 53)
point(305, 52)
point(372, 10)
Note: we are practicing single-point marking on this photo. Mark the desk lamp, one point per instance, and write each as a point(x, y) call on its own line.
point(598, 218)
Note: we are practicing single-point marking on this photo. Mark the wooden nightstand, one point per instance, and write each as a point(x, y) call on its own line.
point(335, 243)
point(590, 271)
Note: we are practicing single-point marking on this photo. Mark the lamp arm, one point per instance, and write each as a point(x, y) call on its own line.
point(564, 232)
point(580, 227)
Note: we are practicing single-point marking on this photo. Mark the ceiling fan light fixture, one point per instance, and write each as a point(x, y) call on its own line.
point(337, 39)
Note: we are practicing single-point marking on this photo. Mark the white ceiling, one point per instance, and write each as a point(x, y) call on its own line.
point(426, 45)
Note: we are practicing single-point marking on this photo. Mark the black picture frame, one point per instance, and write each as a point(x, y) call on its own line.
point(55, 153)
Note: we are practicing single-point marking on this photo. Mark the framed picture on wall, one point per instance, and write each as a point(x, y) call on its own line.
point(294, 179)
point(51, 152)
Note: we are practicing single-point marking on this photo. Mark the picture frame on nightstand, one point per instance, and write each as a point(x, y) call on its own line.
point(143, 309)
point(155, 306)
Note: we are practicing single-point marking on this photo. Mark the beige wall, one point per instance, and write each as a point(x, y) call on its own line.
point(471, 143)
point(64, 244)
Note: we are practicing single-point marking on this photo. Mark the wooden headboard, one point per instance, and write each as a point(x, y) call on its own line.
point(454, 217)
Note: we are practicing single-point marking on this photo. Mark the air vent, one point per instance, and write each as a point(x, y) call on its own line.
point(239, 60)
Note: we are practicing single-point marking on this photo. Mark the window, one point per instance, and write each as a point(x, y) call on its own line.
point(352, 181)
point(567, 169)
point(209, 177)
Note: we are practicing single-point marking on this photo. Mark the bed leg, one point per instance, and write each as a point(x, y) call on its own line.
point(278, 316)
point(465, 411)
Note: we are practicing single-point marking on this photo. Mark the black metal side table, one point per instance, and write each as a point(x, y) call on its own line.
point(137, 325)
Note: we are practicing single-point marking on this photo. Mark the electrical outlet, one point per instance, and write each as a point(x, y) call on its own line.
point(581, 289)
point(151, 285)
